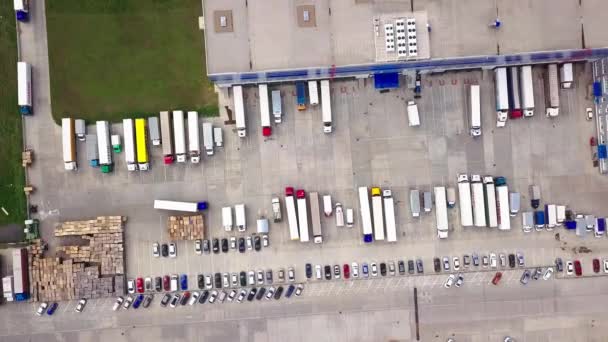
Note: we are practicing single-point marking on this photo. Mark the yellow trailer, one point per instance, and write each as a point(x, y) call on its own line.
point(142, 147)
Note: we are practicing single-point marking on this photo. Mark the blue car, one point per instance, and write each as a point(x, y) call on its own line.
point(51, 310)
point(365, 270)
point(183, 280)
point(138, 301)
point(290, 291)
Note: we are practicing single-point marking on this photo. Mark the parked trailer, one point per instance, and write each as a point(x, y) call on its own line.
point(92, 150)
point(167, 137)
point(389, 211)
point(8, 291)
point(479, 209)
point(239, 111)
point(378, 214)
point(551, 216)
point(277, 108)
point(80, 128)
point(241, 220)
point(475, 110)
point(527, 221)
point(464, 196)
point(276, 210)
point(513, 88)
point(502, 202)
point(451, 192)
point(208, 137)
point(441, 212)
point(227, 218)
point(490, 201)
point(561, 213)
point(302, 215)
point(301, 94)
point(514, 203)
point(24, 88)
point(315, 217)
point(502, 96)
point(141, 138)
point(194, 144)
point(103, 143)
point(327, 207)
point(413, 117)
point(313, 93)
point(366, 218)
point(415, 203)
point(21, 279)
point(566, 76)
point(534, 196)
point(69, 144)
point(292, 218)
point(22, 10)
point(179, 135)
point(191, 207)
point(264, 110)
point(326, 106)
point(154, 130)
point(527, 90)
point(552, 92)
point(128, 136)
point(217, 136)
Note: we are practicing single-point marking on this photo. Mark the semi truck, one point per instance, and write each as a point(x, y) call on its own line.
point(301, 94)
point(415, 203)
point(412, 114)
point(276, 210)
point(502, 203)
point(264, 110)
point(389, 211)
point(166, 135)
point(326, 106)
point(239, 111)
point(490, 201)
point(208, 138)
point(241, 221)
point(315, 217)
point(194, 145)
point(80, 128)
point(292, 217)
point(227, 218)
point(277, 108)
point(534, 196)
point(464, 196)
point(21, 280)
point(92, 150)
point(441, 212)
point(502, 96)
point(378, 214)
point(366, 218)
point(24, 88)
point(451, 193)
point(179, 136)
point(527, 90)
point(552, 92)
point(69, 144)
point(475, 110)
point(141, 139)
point(128, 136)
point(302, 215)
point(22, 10)
point(115, 142)
point(313, 93)
point(154, 130)
point(566, 76)
point(479, 209)
point(539, 220)
point(103, 144)
point(191, 207)
point(513, 90)
point(327, 207)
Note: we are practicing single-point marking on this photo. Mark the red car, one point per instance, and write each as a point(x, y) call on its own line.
point(140, 285)
point(596, 265)
point(166, 283)
point(577, 268)
point(497, 278)
point(346, 271)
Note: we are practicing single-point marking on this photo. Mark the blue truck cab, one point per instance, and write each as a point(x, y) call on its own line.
point(301, 94)
point(539, 220)
point(499, 181)
point(22, 12)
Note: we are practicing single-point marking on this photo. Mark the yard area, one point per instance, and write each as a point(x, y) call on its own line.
point(114, 59)
point(12, 177)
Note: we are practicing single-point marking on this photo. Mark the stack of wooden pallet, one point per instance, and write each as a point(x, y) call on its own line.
point(26, 158)
point(103, 224)
point(188, 227)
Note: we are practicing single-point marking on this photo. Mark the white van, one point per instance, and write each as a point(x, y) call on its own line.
point(415, 202)
point(350, 217)
point(527, 221)
point(514, 200)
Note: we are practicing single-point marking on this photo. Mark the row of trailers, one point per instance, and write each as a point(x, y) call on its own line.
point(484, 202)
point(277, 108)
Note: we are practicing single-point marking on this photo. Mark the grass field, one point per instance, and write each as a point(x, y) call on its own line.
point(113, 59)
point(11, 173)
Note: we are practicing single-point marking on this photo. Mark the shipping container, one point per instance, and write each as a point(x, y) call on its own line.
point(415, 203)
point(292, 217)
point(277, 108)
point(141, 138)
point(502, 96)
point(378, 214)
point(227, 218)
point(264, 110)
point(313, 92)
point(208, 138)
point(241, 220)
point(513, 88)
point(567, 76)
point(191, 207)
point(303, 216)
point(502, 203)
point(475, 110)
point(490, 202)
point(92, 150)
point(478, 199)
point(301, 94)
point(21, 279)
point(552, 91)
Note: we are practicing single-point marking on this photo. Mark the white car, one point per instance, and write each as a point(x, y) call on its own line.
point(605, 265)
point(251, 278)
point(172, 250)
point(260, 277)
point(270, 293)
point(374, 269)
point(449, 281)
point(241, 296)
point(249, 245)
point(318, 272)
point(569, 267)
point(131, 286)
point(548, 273)
point(222, 296)
point(118, 303)
point(589, 113)
point(42, 308)
point(265, 241)
point(232, 295)
point(355, 271)
point(156, 250)
point(208, 283)
point(291, 275)
point(212, 297)
point(198, 246)
point(299, 290)
point(503, 260)
point(493, 261)
point(233, 242)
point(234, 279)
point(173, 282)
point(446, 263)
point(456, 262)
point(225, 280)
point(193, 298)
point(127, 303)
point(81, 304)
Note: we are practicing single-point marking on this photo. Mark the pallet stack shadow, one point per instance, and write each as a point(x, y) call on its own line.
point(93, 270)
point(187, 227)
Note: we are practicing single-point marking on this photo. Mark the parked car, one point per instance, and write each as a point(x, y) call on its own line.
point(520, 259)
point(269, 279)
point(249, 243)
point(118, 303)
point(548, 273)
point(42, 308)
point(260, 277)
point(446, 263)
point(243, 278)
point(459, 280)
point(401, 267)
point(569, 267)
point(222, 296)
point(203, 298)
point(270, 293)
point(225, 280)
point(466, 260)
point(419, 267)
point(497, 278)
point(156, 250)
point(212, 297)
point(193, 298)
point(148, 284)
point(383, 269)
point(437, 265)
point(559, 264)
point(52, 308)
point(525, 277)
point(374, 269)
point(241, 296)
point(137, 302)
point(327, 272)
point(140, 285)
point(278, 293)
point(164, 250)
point(217, 280)
point(198, 246)
point(231, 295)
point(537, 273)
point(174, 300)
point(165, 300)
point(291, 275)
point(355, 268)
point(233, 242)
point(448, 283)
point(391, 268)
point(308, 271)
point(512, 260)
point(131, 286)
point(410, 266)
point(290, 290)
point(257, 243)
point(265, 240)
point(299, 290)
point(596, 265)
point(185, 297)
point(158, 284)
point(493, 260)
point(216, 246)
point(81, 304)
point(147, 300)
point(252, 293)
point(242, 245)
point(578, 269)
point(346, 271)
point(475, 258)
point(251, 278)
point(225, 245)
point(281, 275)
point(605, 265)
point(456, 263)
point(260, 294)
point(172, 250)
point(318, 272)
point(336, 271)
point(183, 281)
point(206, 247)
point(234, 280)
point(167, 283)
point(365, 270)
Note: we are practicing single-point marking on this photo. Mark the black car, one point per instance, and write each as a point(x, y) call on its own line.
point(147, 301)
point(164, 250)
point(257, 243)
point(401, 267)
point(242, 245)
point(419, 266)
point(279, 292)
point(200, 281)
point(174, 300)
point(410, 266)
point(251, 294)
point(559, 265)
point(216, 246)
point(165, 300)
point(203, 298)
point(269, 277)
point(224, 245)
point(185, 298)
point(383, 269)
point(158, 284)
point(243, 278)
point(290, 290)
point(260, 294)
point(206, 246)
point(512, 260)
point(327, 272)
point(218, 280)
point(308, 271)
point(437, 265)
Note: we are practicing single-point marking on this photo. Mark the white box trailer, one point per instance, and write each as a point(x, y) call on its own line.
point(389, 212)
point(415, 203)
point(326, 106)
point(552, 92)
point(292, 217)
point(366, 218)
point(502, 96)
point(412, 114)
point(167, 137)
point(327, 207)
point(227, 218)
point(217, 136)
point(129, 143)
point(561, 213)
point(567, 76)
point(315, 217)
point(441, 212)
point(239, 110)
point(464, 197)
point(191, 207)
point(514, 99)
point(179, 135)
point(208, 137)
point(303, 216)
point(551, 214)
point(24, 88)
point(514, 203)
point(527, 90)
point(80, 129)
point(502, 201)
point(105, 148)
point(479, 208)
point(68, 140)
point(241, 222)
point(154, 130)
point(194, 144)
point(491, 213)
point(475, 110)
point(378, 214)
point(313, 93)
point(277, 109)
point(264, 110)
